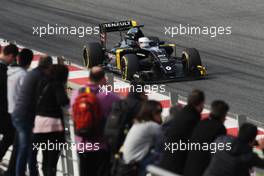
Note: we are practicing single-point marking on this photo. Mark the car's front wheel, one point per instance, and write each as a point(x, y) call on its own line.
point(129, 66)
point(191, 60)
point(92, 55)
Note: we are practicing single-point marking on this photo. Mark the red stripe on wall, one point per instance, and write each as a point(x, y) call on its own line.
point(165, 103)
point(123, 92)
point(36, 57)
point(73, 68)
point(205, 115)
point(80, 81)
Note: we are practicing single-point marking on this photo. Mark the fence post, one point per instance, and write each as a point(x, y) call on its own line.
point(68, 153)
point(60, 60)
point(158, 171)
point(110, 80)
point(174, 97)
point(241, 119)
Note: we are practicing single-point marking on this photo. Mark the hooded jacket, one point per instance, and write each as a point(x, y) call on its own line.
point(16, 76)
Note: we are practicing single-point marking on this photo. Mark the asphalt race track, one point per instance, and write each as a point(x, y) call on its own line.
point(235, 62)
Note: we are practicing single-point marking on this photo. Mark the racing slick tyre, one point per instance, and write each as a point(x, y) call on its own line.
point(92, 55)
point(191, 60)
point(129, 66)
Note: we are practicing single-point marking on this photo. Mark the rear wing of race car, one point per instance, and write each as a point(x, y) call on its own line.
point(117, 26)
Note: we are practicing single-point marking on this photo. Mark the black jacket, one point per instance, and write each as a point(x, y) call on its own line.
point(134, 105)
point(204, 134)
point(120, 121)
point(3, 90)
point(52, 96)
point(180, 130)
point(236, 162)
point(26, 101)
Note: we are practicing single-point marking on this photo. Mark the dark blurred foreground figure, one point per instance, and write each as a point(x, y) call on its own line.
point(7, 57)
point(16, 74)
point(240, 159)
point(180, 131)
point(121, 118)
point(205, 132)
point(90, 108)
point(24, 113)
point(49, 128)
point(138, 148)
point(162, 138)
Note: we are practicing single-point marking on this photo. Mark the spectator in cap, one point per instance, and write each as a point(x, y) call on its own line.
point(16, 74)
point(239, 159)
point(25, 110)
point(6, 128)
point(181, 129)
point(205, 132)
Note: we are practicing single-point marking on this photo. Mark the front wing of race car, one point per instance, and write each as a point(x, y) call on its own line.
point(153, 77)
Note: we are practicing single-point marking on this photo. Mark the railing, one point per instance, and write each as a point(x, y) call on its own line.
point(71, 163)
point(153, 170)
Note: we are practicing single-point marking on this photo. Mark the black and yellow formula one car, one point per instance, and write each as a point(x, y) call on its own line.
point(140, 58)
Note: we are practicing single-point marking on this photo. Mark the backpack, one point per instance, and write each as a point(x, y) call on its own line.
point(117, 125)
point(87, 114)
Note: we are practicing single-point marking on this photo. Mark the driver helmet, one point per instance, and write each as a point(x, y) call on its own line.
point(144, 42)
point(134, 34)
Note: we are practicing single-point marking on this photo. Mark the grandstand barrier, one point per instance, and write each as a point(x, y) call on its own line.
point(244, 118)
point(70, 162)
point(174, 98)
point(153, 170)
point(110, 79)
point(241, 119)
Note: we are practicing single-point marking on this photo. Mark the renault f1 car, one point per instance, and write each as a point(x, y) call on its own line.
point(140, 58)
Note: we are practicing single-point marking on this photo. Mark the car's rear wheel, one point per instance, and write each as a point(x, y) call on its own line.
point(129, 66)
point(191, 60)
point(92, 55)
